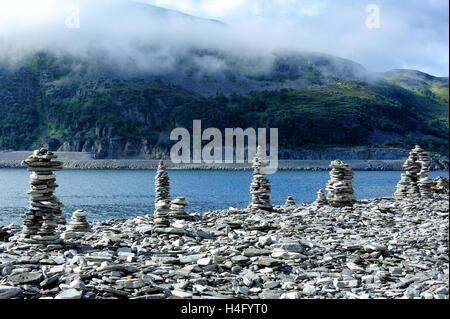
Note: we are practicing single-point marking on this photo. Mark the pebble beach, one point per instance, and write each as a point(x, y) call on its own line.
point(379, 248)
point(335, 248)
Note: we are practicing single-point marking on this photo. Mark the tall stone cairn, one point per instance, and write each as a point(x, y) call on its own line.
point(425, 182)
point(340, 186)
point(412, 167)
point(41, 221)
point(260, 186)
point(321, 199)
point(162, 197)
point(408, 185)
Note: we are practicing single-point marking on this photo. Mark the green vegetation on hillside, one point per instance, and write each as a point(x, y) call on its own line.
point(35, 106)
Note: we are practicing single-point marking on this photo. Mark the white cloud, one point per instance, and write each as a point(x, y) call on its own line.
point(413, 33)
point(230, 9)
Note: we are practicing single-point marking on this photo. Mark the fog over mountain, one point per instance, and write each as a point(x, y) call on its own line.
point(141, 37)
point(114, 77)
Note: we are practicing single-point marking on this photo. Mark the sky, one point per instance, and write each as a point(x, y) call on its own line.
point(379, 34)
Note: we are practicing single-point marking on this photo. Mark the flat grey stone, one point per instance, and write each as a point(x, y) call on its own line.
point(7, 292)
point(69, 294)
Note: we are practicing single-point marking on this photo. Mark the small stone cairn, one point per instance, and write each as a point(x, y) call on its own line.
point(402, 190)
point(260, 186)
point(340, 186)
point(162, 197)
point(78, 226)
point(425, 182)
point(79, 222)
point(415, 182)
point(290, 203)
point(321, 199)
point(41, 221)
point(177, 208)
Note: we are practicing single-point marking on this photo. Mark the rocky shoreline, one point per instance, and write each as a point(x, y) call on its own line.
point(379, 248)
point(335, 248)
point(305, 165)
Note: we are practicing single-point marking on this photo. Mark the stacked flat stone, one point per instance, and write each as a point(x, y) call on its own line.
point(41, 221)
point(402, 189)
point(260, 186)
point(321, 199)
point(58, 213)
point(408, 186)
point(340, 187)
point(425, 182)
point(79, 222)
point(177, 208)
point(162, 197)
point(412, 167)
point(290, 202)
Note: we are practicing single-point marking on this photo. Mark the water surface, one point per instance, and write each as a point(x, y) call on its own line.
point(107, 194)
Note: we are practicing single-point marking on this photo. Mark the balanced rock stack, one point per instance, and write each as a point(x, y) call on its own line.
point(408, 186)
point(321, 199)
point(41, 221)
point(177, 208)
point(425, 181)
point(402, 189)
point(340, 187)
point(290, 203)
point(78, 226)
point(162, 197)
point(412, 168)
point(58, 213)
point(79, 222)
point(260, 186)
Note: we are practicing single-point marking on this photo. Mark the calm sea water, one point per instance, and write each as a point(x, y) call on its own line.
point(107, 194)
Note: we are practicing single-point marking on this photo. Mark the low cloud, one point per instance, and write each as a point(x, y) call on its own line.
point(136, 36)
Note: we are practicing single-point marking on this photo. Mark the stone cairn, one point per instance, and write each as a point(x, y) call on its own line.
point(425, 182)
point(321, 199)
point(408, 186)
point(162, 197)
point(78, 225)
point(290, 203)
point(412, 167)
point(41, 221)
point(402, 190)
point(340, 186)
point(177, 208)
point(260, 186)
point(79, 222)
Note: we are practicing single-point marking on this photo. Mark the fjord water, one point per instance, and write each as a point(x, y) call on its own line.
point(117, 194)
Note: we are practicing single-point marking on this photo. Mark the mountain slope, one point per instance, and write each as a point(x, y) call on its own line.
point(49, 100)
point(117, 95)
